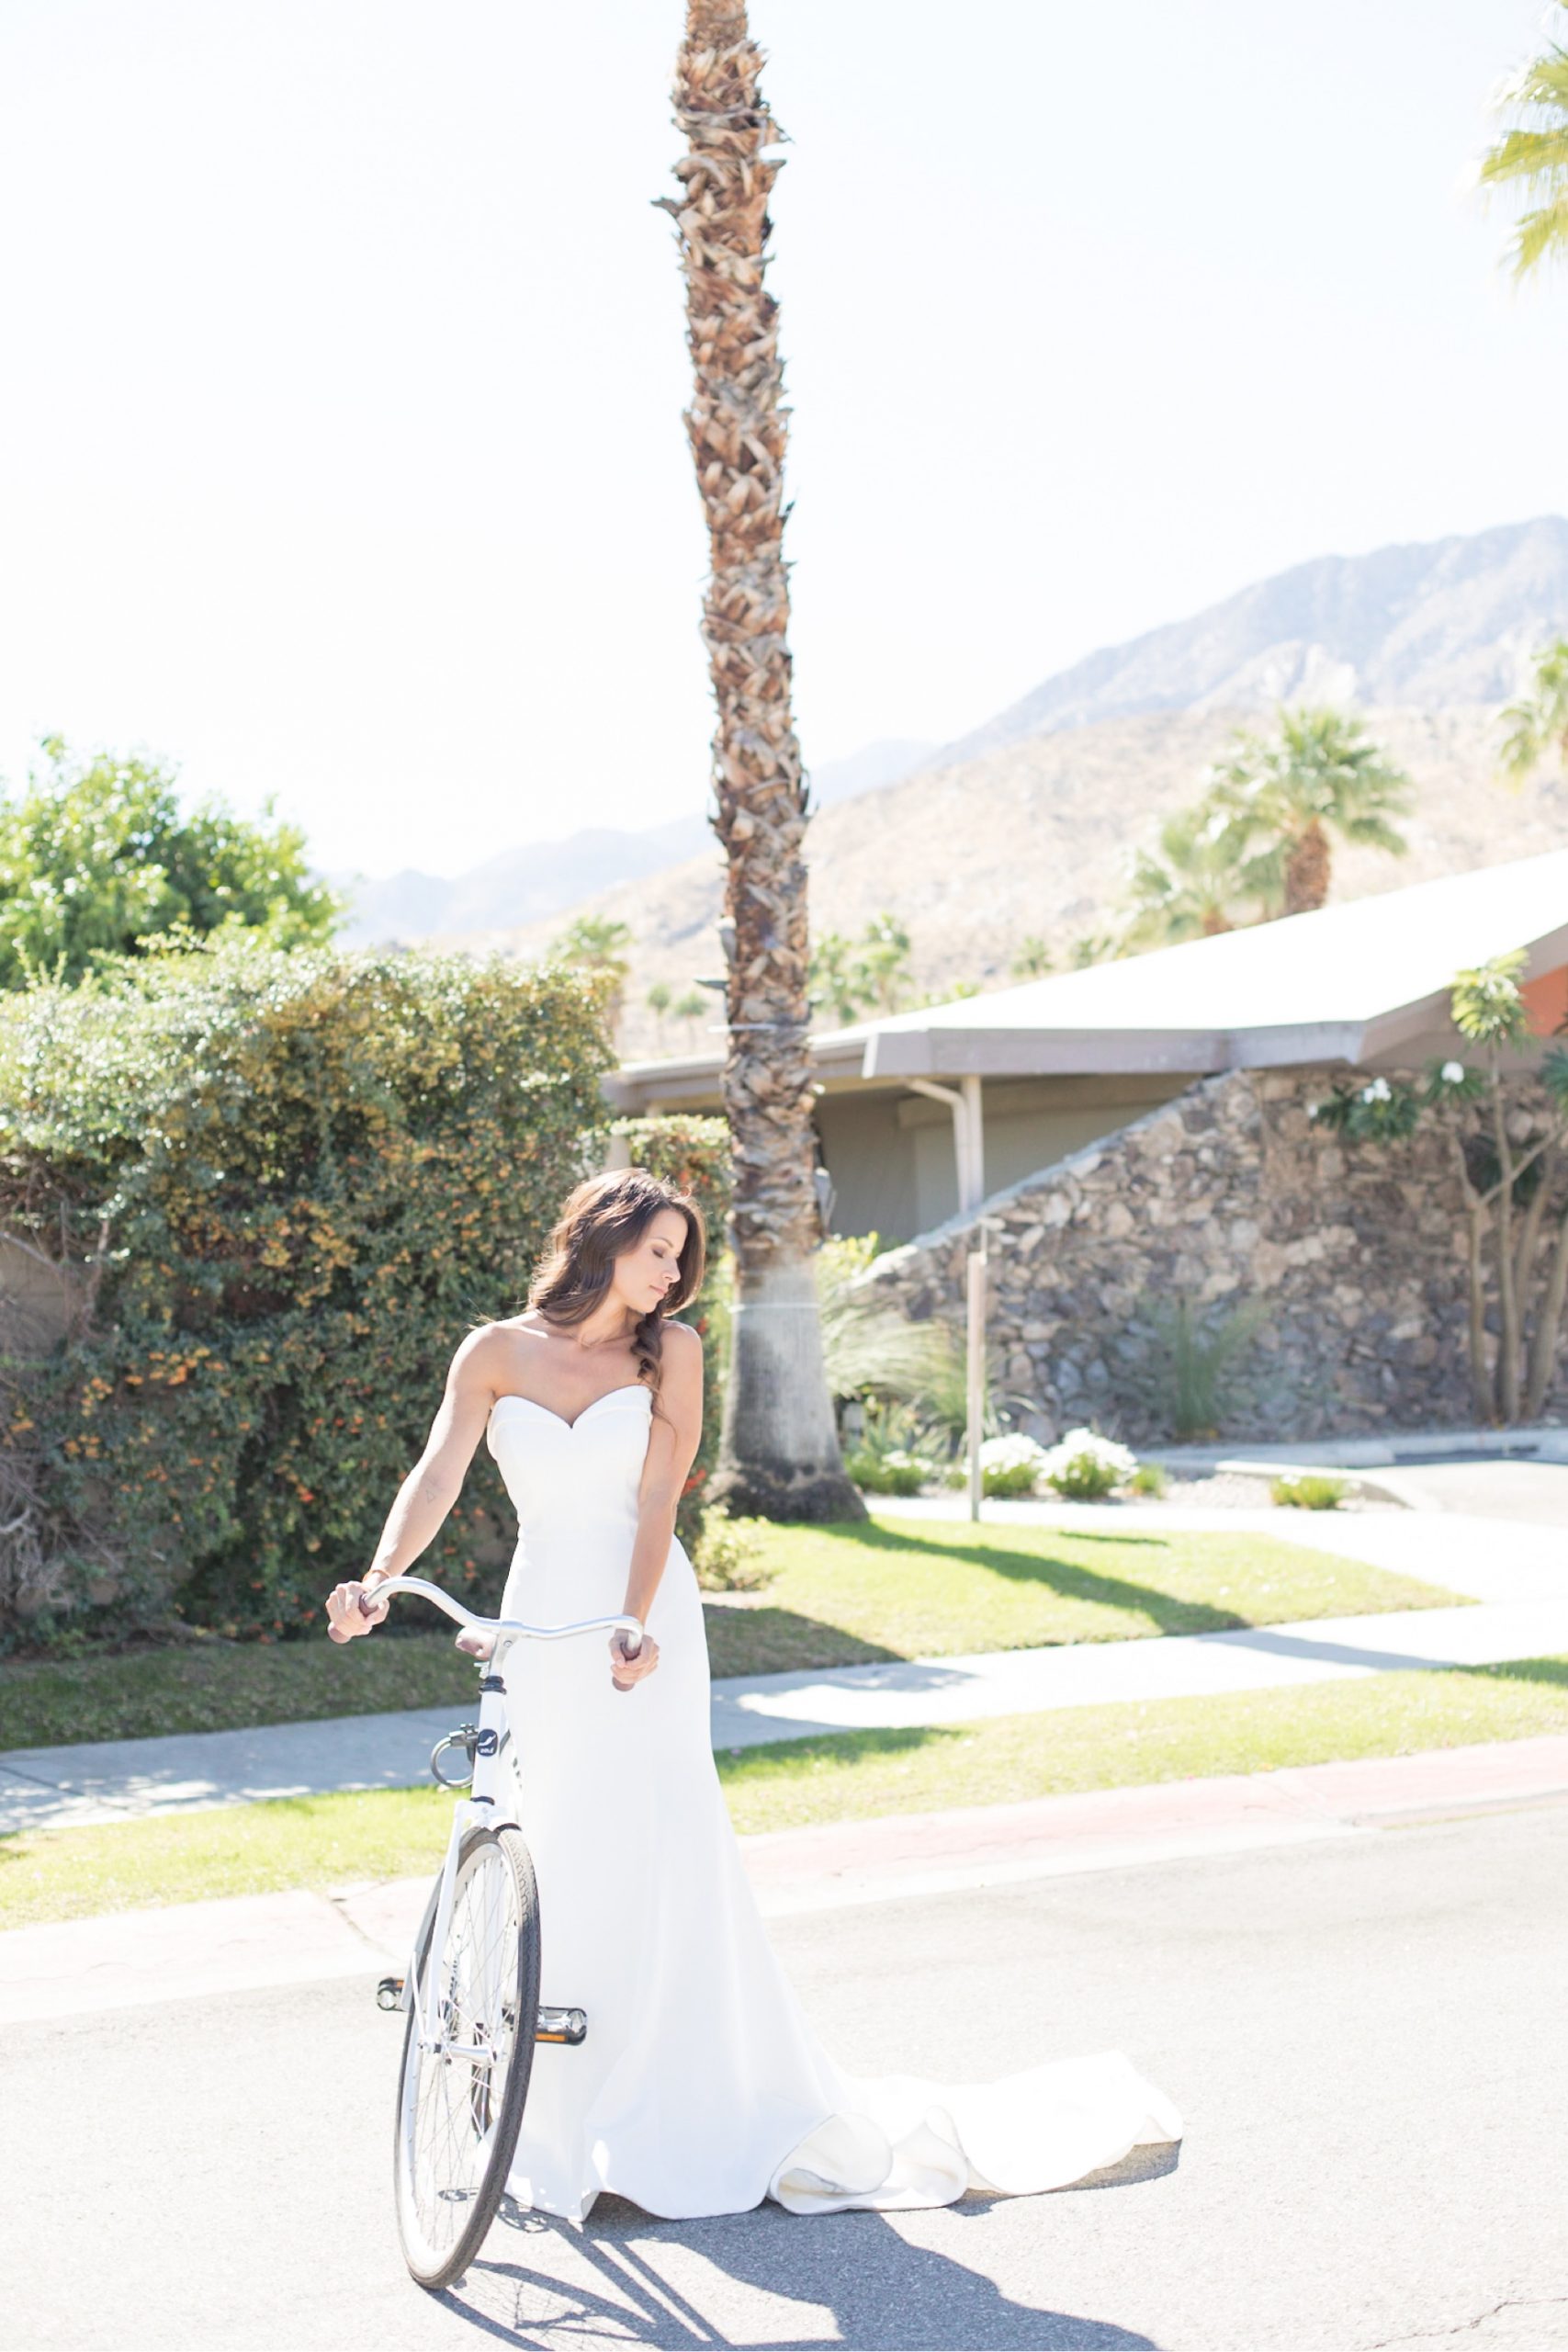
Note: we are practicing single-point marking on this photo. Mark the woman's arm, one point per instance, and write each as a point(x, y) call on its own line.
point(431, 1488)
point(674, 1436)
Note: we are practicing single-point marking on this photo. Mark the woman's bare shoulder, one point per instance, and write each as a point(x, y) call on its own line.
point(687, 1342)
point(487, 1348)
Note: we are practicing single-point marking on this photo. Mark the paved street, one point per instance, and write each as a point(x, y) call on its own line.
point(1364, 2036)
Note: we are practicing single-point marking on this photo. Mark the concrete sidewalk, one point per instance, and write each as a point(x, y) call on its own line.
point(63, 1788)
point(1517, 1573)
point(183, 1950)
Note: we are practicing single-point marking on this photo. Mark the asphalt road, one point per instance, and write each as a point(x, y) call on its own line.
point(1366, 2038)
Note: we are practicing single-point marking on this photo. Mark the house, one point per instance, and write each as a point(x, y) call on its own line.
point(923, 1113)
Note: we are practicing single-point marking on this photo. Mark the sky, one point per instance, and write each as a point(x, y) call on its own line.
point(341, 452)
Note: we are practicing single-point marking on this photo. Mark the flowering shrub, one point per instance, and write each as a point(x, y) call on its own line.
point(284, 1186)
point(1085, 1467)
point(894, 1471)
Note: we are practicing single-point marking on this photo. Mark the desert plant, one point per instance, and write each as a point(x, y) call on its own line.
point(1191, 1379)
point(1085, 1467)
point(1306, 1490)
point(1149, 1478)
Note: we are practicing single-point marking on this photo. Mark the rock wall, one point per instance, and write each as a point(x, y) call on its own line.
point(1349, 1258)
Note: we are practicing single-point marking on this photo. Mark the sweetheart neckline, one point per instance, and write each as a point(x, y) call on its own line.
point(624, 1389)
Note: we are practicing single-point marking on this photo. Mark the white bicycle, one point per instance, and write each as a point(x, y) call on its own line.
point(472, 1988)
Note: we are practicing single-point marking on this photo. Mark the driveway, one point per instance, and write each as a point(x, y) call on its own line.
point(1365, 2038)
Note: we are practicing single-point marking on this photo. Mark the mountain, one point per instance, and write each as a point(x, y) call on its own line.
point(1023, 827)
point(1428, 627)
point(552, 878)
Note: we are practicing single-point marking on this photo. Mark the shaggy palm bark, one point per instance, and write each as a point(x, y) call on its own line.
point(779, 1451)
point(1308, 866)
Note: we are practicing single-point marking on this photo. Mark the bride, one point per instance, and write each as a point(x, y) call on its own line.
point(702, 2087)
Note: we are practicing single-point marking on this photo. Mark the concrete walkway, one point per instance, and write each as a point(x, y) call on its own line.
point(179, 1950)
point(58, 1787)
point(1518, 1572)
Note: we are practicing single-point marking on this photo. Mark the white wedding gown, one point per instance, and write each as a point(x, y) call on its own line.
point(702, 2087)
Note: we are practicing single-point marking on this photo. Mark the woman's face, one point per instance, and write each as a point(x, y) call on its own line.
point(645, 1273)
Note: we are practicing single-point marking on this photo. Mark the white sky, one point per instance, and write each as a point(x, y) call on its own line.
point(340, 440)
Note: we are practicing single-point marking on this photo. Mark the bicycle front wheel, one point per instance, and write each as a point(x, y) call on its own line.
point(462, 2086)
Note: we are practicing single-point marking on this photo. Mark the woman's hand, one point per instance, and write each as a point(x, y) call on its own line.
point(344, 1614)
point(626, 1671)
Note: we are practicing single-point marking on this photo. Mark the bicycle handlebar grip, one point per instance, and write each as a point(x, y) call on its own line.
point(630, 1648)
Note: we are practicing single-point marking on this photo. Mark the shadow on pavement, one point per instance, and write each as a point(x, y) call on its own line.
point(768, 2279)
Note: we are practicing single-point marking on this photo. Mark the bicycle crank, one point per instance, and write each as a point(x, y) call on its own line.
point(567, 2026)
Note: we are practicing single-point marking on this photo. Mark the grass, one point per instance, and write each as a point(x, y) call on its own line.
point(893, 1588)
point(337, 1840)
point(848, 1595)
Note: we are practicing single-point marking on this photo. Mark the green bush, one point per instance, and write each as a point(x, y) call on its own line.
point(730, 1555)
point(285, 1186)
point(1149, 1478)
point(1306, 1490)
point(892, 1472)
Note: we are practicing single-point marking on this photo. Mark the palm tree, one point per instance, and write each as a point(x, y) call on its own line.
point(1030, 958)
point(778, 1448)
point(1531, 157)
point(1323, 777)
point(690, 1008)
point(1193, 885)
point(599, 944)
point(1538, 722)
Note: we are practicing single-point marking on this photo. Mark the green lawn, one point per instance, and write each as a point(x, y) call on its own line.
point(842, 1596)
point(337, 1840)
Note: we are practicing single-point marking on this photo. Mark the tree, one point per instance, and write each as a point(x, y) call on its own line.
point(98, 860)
point(779, 1451)
point(1030, 958)
point(1509, 1154)
point(1538, 722)
point(1322, 775)
point(867, 975)
point(690, 1009)
point(1531, 157)
point(1193, 884)
point(598, 943)
point(659, 999)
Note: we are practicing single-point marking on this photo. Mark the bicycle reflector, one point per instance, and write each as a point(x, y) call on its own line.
point(569, 2026)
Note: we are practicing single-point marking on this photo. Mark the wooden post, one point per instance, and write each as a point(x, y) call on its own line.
point(975, 1368)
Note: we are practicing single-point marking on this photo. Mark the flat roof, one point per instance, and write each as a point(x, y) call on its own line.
point(1337, 985)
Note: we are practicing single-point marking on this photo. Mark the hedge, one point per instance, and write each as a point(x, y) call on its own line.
point(285, 1185)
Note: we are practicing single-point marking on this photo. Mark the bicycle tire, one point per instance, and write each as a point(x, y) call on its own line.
point(487, 2119)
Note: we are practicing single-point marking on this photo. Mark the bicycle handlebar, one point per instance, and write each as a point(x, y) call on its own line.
point(498, 1626)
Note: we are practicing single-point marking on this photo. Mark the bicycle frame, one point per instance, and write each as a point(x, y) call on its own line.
point(482, 1804)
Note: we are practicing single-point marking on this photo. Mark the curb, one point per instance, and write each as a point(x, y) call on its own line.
point(246, 1943)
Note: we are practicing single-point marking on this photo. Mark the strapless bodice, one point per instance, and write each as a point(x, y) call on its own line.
point(566, 1475)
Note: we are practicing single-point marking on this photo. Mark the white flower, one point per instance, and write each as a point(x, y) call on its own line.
point(1086, 1444)
point(1312, 1110)
point(1453, 1073)
point(1012, 1452)
point(1379, 1090)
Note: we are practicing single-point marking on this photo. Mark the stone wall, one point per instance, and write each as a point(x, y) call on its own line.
point(1228, 1194)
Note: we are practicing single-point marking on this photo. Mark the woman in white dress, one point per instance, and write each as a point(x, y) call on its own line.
point(702, 2087)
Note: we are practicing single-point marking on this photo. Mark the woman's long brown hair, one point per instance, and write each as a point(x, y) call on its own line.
point(602, 1218)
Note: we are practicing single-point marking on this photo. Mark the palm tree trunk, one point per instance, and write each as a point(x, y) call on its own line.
point(1308, 866)
point(779, 1450)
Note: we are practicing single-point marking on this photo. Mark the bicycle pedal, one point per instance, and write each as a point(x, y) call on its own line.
point(569, 2026)
point(389, 1993)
